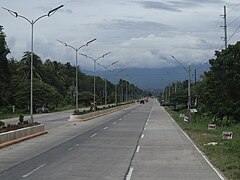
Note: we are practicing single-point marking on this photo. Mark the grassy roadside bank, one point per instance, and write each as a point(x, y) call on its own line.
point(226, 154)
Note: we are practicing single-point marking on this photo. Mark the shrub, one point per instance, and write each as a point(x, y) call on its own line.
point(21, 119)
point(2, 124)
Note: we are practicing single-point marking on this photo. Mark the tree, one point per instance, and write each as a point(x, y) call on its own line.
point(221, 95)
point(85, 98)
point(4, 67)
point(25, 66)
point(44, 95)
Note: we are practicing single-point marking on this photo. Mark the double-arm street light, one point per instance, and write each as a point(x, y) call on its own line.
point(94, 81)
point(106, 68)
point(76, 50)
point(189, 81)
point(32, 22)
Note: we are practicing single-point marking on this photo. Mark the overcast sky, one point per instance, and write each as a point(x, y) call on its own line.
point(138, 33)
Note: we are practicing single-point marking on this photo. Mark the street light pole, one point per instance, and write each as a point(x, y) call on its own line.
point(189, 87)
point(105, 89)
point(32, 22)
point(189, 81)
point(76, 51)
point(94, 69)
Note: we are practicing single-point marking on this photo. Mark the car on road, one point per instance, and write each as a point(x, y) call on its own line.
point(142, 101)
point(42, 110)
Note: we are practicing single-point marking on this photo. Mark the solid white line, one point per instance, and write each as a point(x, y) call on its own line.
point(199, 151)
point(93, 135)
point(129, 175)
point(138, 149)
point(34, 170)
point(105, 128)
point(142, 136)
point(114, 122)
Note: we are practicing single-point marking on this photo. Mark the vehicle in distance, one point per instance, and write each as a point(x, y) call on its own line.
point(42, 110)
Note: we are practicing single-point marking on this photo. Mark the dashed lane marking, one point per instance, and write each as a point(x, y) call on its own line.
point(93, 135)
point(34, 170)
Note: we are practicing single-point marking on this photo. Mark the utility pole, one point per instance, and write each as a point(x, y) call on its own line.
point(195, 73)
point(126, 96)
point(225, 26)
point(189, 87)
point(169, 91)
point(166, 94)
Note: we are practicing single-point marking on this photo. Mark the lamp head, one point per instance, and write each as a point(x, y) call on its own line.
point(50, 13)
point(13, 13)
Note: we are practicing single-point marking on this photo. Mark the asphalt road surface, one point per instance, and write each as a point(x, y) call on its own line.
point(140, 142)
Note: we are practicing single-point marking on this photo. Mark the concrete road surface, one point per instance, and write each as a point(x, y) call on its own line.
point(140, 142)
point(164, 152)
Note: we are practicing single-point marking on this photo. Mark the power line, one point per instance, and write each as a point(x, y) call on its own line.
point(233, 20)
point(218, 25)
point(233, 8)
point(234, 33)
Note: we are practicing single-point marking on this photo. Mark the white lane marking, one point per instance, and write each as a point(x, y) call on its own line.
point(70, 148)
point(105, 128)
point(145, 128)
point(114, 122)
point(76, 145)
point(138, 149)
point(199, 151)
point(93, 135)
point(120, 119)
point(34, 170)
point(142, 136)
point(129, 175)
point(146, 123)
point(124, 116)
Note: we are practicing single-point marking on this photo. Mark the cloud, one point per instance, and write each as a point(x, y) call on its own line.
point(159, 5)
point(155, 51)
point(176, 6)
point(126, 29)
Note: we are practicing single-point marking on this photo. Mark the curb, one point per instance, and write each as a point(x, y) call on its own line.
point(21, 139)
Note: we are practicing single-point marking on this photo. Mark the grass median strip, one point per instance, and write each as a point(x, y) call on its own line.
point(223, 153)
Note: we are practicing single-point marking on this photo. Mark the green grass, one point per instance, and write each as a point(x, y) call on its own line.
point(226, 154)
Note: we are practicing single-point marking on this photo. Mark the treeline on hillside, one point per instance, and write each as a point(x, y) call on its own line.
point(217, 95)
point(53, 83)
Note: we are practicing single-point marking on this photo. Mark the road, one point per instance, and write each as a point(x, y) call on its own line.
point(140, 142)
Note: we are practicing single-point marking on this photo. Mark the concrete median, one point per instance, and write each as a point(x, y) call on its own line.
point(11, 137)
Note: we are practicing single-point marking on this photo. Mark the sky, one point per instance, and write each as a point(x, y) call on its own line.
point(138, 33)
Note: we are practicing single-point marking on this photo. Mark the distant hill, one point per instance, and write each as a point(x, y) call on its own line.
point(152, 79)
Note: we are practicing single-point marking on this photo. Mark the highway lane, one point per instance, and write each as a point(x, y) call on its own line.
point(98, 149)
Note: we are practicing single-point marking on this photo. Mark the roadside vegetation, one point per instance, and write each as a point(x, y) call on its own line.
point(53, 82)
point(217, 99)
